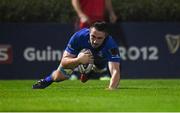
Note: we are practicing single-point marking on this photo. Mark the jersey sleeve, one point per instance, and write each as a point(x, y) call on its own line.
point(72, 46)
point(113, 51)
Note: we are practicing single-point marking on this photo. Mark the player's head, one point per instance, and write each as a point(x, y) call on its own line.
point(98, 32)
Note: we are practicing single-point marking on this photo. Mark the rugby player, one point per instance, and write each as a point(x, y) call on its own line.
point(101, 50)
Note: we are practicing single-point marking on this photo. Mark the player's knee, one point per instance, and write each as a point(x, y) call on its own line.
point(58, 76)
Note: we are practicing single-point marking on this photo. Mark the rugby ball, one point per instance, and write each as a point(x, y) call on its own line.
point(85, 69)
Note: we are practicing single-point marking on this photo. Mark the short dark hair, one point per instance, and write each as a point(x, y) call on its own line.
point(100, 26)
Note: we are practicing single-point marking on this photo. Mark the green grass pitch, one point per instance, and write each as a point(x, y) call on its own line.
point(133, 95)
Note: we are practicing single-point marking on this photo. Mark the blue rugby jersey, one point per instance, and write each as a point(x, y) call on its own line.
point(108, 51)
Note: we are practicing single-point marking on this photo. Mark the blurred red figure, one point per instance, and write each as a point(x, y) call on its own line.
point(90, 11)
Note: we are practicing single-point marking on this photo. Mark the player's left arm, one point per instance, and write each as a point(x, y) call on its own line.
point(114, 68)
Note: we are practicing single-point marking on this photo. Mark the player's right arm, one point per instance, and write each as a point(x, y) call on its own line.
point(71, 61)
point(71, 57)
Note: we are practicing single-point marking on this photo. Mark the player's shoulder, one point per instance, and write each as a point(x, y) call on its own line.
point(83, 32)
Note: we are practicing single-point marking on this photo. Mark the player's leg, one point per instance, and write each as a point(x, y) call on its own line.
point(58, 75)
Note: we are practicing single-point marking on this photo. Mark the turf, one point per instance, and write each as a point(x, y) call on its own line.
point(133, 95)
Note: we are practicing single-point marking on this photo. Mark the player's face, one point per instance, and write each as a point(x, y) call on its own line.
point(96, 37)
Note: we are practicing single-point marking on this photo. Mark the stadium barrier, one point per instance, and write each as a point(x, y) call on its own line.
point(31, 51)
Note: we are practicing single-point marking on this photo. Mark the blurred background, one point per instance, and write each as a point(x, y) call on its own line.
point(34, 33)
point(61, 11)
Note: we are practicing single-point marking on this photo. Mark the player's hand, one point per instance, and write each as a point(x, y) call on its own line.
point(85, 57)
